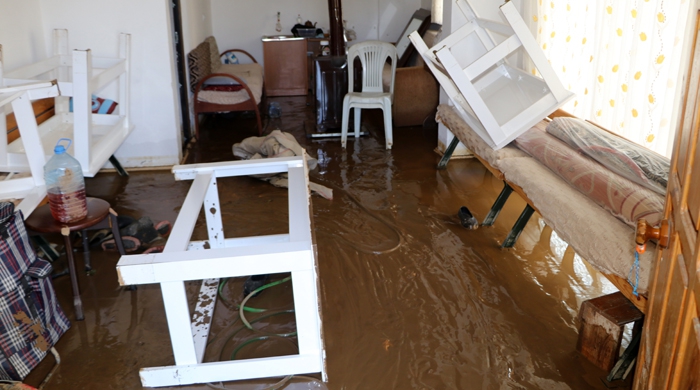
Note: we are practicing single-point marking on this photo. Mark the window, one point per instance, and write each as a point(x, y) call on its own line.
point(622, 60)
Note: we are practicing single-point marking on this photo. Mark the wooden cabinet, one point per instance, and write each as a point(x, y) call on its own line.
point(286, 69)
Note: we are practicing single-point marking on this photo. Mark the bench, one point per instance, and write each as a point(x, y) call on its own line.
point(219, 87)
point(603, 240)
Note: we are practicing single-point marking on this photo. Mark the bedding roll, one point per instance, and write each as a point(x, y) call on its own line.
point(618, 154)
point(625, 199)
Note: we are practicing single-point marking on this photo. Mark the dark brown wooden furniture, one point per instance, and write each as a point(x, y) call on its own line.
point(286, 69)
point(602, 322)
point(100, 216)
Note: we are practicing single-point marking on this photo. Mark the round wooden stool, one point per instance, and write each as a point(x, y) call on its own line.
point(99, 216)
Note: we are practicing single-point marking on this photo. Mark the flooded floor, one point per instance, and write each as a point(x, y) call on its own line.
point(410, 298)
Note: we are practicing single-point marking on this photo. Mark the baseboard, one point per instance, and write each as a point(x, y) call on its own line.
point(143, 163)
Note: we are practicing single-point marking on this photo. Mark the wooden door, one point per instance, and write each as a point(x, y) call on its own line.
point(669, 356)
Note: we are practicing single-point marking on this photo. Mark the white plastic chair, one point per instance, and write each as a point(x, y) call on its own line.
point(373, 56)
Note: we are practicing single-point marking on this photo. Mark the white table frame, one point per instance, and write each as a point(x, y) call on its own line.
point(220, 257)
point(30, 189)
point(470, 78)
point(96, 137)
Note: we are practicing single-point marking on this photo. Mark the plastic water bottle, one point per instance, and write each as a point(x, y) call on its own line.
point(275, 111)
point(65, 185)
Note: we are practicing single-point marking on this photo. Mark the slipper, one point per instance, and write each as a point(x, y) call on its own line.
point(466, 218)
point(142, 229)
point(253, 283)
point(163, 228)
point(106, 234)
point(131, 244)
point(124, 221)
point(154, 249)
point(99, 236)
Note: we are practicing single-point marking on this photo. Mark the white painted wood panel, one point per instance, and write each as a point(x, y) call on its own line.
point(219, 257)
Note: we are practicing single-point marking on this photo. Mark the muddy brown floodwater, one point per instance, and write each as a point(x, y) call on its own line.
point(410, 298)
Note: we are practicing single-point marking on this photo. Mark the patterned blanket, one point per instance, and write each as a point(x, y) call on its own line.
point(625, 199)
point(621, 156)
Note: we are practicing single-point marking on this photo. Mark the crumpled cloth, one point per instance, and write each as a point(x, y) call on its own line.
point(278, 144)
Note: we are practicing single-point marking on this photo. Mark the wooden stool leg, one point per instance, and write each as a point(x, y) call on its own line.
point(117, 237)
point(77, 302)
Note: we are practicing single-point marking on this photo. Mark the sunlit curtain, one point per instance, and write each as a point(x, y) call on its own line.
point(436, 11)
point(622, 60)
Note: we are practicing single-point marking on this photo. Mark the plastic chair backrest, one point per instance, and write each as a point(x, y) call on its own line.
point(373, 55)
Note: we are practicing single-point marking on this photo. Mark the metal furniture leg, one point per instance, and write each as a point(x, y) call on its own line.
point(498, 205)
point(448, 153)
point(118, 166)
point(518, 227)
point(86, 250)
point(51, 254)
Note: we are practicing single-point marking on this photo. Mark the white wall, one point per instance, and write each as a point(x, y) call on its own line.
point(196, 26)
point(156, 139)
point(196, 22)
point(25, 31)
point(21, 32)
point(241, 23)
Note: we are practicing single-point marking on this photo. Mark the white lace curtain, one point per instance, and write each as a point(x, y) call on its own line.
point(622, 60)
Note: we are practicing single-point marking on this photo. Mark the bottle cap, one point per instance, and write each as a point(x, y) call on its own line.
point(60, 149)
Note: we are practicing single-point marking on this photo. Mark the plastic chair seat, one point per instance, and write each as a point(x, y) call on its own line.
point(373, 57)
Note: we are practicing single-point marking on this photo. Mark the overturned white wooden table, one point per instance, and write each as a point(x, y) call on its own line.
point(219, 257)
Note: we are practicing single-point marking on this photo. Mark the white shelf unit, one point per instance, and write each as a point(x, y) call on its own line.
point(496, 98)
point(79, 75)
point(220, 257)
point(30, 189)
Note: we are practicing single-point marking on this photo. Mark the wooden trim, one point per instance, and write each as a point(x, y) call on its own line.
point(43, 110)
point(639, 301)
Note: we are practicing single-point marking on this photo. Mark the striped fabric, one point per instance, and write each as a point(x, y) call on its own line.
point(31, 321)
point(199, 63)
point(625, 199)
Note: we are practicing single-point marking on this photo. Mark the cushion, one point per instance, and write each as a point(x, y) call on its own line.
point(199, 63)
point(99, 105)
point(252, 73)
point(246, 72)
point(625, 199)
point(618, 154)
point(604, 241)
point(214, 54)
point(450, 117)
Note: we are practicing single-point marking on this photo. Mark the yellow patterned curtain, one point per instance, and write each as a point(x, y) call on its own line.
point(622, 60)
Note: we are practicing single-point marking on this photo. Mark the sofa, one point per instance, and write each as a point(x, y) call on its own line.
point(224, 87)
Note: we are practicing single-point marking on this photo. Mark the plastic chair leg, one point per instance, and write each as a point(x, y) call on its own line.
point(344, 127)
point(387, 127)
point(358, 119)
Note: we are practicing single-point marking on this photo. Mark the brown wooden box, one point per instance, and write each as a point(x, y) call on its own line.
point(601, 323)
